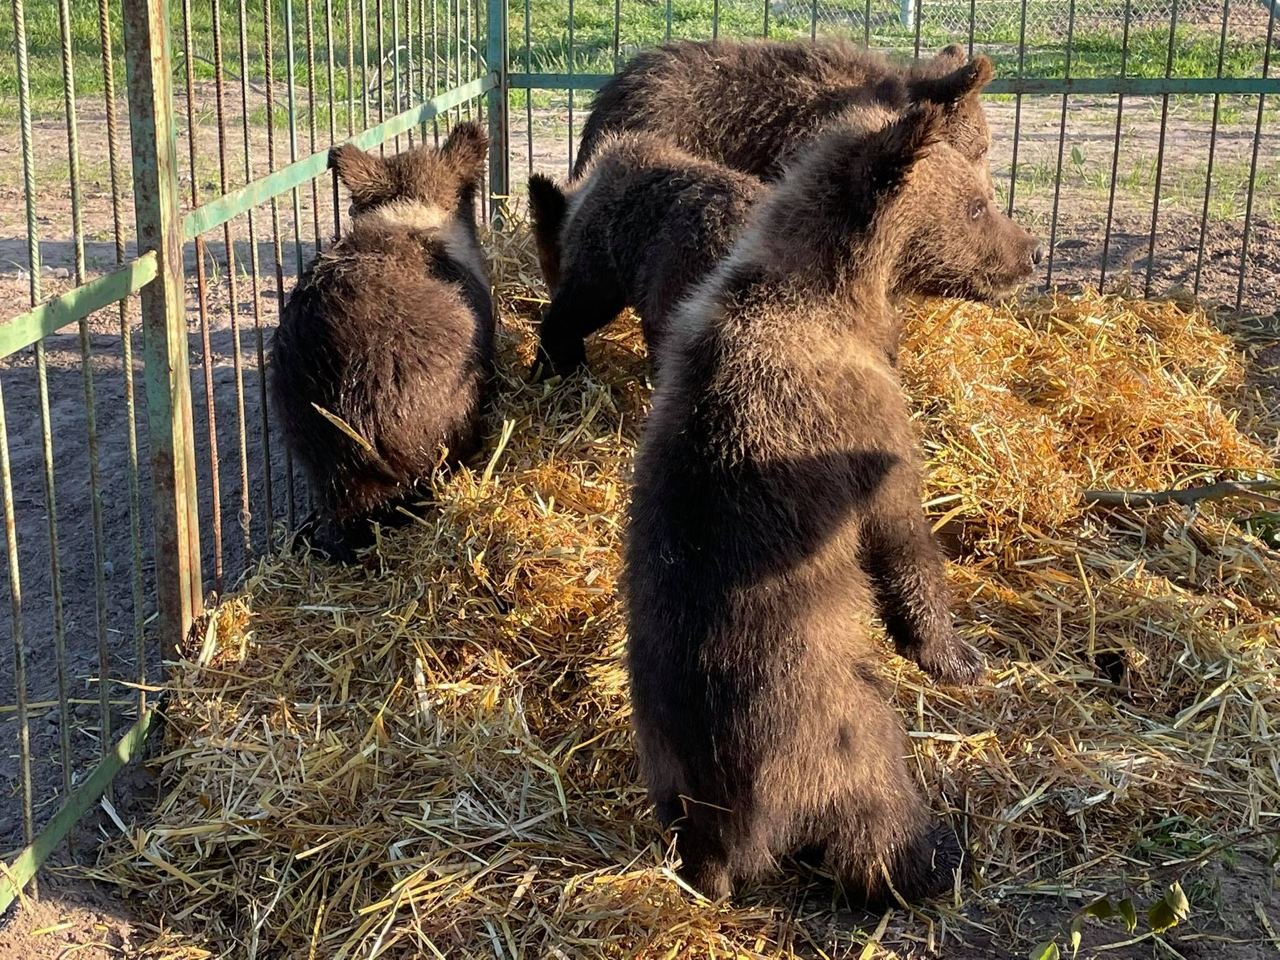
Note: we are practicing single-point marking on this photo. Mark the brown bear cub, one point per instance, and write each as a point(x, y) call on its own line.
point(388, 336)
point(643, 225)
point(776, 507)
point(750, 104)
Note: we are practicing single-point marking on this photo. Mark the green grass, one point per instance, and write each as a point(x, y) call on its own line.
point(44, 49)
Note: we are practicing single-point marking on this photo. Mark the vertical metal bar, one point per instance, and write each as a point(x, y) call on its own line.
point(10, 527)
point(50, 487)
point(1164, 126)
point(351, 70)
point(55, 571)
point(571, 68)
point(667, 33)
point(499, 148)
point(382, 105)
point(813, 20)
point(766, 16)
point(397, 103)
point(1062, 143)
point(465, 34)
point(126, 348)
point(255, 282)
point(1253, 160)
point(233, 291)
point(973, 24)
point(408, 45)
point(1115, 153)
point(435, 65)
point(202, 305)
point(918, 13)
point(168, 382)
point(333, 111)
point(1213, 145)
point(277, 248)
point(1017, 105)
point(86, 371)
point(617, 33)
point(309, 36)
point(364, 63)
point(715, 18)
point(457, 50)
point(866, 23)
point(422, 53)
point(292, 103)
point(19, 651)
point(528, 94)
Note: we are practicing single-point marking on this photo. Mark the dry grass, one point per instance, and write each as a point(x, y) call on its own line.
point(430, 756)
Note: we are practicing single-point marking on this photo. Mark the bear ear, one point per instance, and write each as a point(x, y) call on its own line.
point(466, 149)
point(896, 147)
point(366, 177)
point(950, 57)
point(967, 80)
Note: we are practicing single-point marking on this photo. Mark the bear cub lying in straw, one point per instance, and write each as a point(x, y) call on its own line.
point(386, 345)
point(776, 507)
point(750, 104)
point(646, 223)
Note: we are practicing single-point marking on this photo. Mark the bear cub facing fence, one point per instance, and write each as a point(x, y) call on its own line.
point(776, 506)
point(644, 223)
point(385, 346)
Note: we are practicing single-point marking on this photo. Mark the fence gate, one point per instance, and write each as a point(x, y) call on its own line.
point(1137, 134)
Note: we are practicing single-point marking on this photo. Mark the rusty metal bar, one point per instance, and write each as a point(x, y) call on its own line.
point(202, 305)
point(1115, 152)
point(1062, 144)
point(126, 360)
point(255, 274)
point(277, 247)
point(1253, 159)
point(86, 371)
point(1164, 127)
point(233, 290)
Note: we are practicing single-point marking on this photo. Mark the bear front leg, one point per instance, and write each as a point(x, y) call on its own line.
point(905, 566)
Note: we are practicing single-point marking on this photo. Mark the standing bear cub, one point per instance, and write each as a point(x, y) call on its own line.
point(643, 225)
point(750, 104)
point(777, 506)
point(386, 345)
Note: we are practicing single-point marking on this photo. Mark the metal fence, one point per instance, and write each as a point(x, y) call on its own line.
point(139, 472)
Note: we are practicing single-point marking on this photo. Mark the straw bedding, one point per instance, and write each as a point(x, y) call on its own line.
point(430, 755)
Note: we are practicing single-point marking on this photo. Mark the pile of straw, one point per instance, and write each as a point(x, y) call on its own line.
point(430, 755)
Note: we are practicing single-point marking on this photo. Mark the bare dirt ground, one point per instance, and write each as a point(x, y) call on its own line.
point(97, 923)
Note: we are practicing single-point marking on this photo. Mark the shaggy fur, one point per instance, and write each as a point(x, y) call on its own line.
point(645, 223)
point(390, 331)
point(776, 507)
point(750, 104)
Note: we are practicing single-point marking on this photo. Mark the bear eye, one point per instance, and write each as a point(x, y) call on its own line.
point(977, 207)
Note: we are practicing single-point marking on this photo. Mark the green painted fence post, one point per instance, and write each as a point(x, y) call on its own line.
point(149, 72)
point(496, 55)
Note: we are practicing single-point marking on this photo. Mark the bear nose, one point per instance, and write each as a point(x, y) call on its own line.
point(1037, 253)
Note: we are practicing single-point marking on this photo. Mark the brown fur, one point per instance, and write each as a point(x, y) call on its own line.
point(390, 330)
point(751, 104)
point(644, 224)
point(776, 508)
